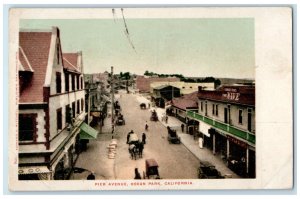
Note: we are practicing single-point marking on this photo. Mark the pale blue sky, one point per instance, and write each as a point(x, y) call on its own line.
point(192, 47)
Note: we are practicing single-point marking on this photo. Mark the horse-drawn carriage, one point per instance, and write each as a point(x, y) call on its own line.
point(143, 106)
point(173, 137)
point(151, 169)
point(120, 120)
point(136, 147)
point(154, 116)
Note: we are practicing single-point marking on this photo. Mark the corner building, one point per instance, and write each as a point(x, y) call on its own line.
point(226, 118)
point(51, 106)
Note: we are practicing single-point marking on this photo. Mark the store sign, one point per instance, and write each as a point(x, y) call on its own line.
point(231, 94)
point(237, 142)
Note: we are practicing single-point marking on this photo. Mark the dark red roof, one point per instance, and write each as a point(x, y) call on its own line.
point(70, 61)
point(36, 46)
point(188, 101)
point(244, 95)
point(143, 84)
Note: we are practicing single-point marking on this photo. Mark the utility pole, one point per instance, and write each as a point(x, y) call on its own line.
point(112, 100)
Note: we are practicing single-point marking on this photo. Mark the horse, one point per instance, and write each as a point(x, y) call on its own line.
point(133, 151)
point(140, 147)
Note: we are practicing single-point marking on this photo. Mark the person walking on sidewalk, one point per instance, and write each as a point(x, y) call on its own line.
point(137, 174)
point(182, 127)
point(146, 126)
point(144, 138)
point(166, 119)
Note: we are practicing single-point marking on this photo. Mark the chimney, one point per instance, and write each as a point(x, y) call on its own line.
point(200, 88)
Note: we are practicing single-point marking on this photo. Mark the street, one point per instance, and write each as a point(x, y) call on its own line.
point(174, 160)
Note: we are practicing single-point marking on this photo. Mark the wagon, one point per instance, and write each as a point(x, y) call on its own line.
point(143, 106)
point(154, 116)
point(208, 171)
point(151, 169)
point(120, 120)
point(173, 137)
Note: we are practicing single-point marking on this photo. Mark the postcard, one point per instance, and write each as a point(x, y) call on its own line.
point(173, 98)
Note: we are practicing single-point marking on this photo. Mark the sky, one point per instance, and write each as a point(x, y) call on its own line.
point(198, 47)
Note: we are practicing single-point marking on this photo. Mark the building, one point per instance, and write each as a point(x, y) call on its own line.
point(51, 107)
point(185, 87)
point(143, 83)
point(180, 105)
point(163, 94)
point(226, 123)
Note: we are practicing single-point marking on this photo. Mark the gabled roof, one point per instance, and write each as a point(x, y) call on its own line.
point(186, 101)
point(70, 61)
point(33, 56)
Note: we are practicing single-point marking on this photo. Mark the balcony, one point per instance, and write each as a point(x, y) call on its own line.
point(245, 135)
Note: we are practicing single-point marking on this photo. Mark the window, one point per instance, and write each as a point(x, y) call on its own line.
point(240, 116)
point(58, 82)
point(217, 112)
point(59, 119)
point(213, 109)
point(57, 53)
point(78, 107)
point(73, 109)
point(81, 83)
point(201, 106)
point(77, 82)
point(73, 82)
point(205, 108)
point(27, 127)
point(68, 114)
point(67, 82)
point(82, 104)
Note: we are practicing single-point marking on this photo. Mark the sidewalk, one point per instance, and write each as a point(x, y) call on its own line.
point(203, 154)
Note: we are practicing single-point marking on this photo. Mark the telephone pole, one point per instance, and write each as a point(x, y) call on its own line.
point(112, 100)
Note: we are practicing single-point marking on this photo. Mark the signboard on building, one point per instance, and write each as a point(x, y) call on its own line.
point(237, 142)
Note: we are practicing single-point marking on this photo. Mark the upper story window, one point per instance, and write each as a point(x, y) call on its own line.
point(77, 82)
point(205, 108)
point(67, 86)
point(27, 127)
point(73, 82)
point(59, 119)
point(82, 102)
point(213, 109)
point(240, 116)
point(81, 83)
point(58, 82)
point(57, 53)
point(78, 107)
point(201, 106)
point(217, 110)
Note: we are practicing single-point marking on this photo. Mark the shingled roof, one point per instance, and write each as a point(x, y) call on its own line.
point(70, 61)
point(33, 56)
point(188, 101)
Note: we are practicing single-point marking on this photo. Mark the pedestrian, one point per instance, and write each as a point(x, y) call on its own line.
point(137, 174)
point(144, 138)
point(91, 176)
point(148, 105)
point(182, 127)
point(146, 126)
point(166, 119)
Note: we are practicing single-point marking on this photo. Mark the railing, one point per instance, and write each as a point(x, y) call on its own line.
point(245, 135)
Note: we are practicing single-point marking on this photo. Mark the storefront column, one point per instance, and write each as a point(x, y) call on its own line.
point(214, 144)
point(228, 149)
point(247, 160)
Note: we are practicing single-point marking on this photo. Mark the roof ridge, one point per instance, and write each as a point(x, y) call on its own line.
point(70, 63)
point(26, 59)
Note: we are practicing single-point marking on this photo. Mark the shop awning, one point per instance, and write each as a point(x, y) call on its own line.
point(87, 132)
point(204, 128)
